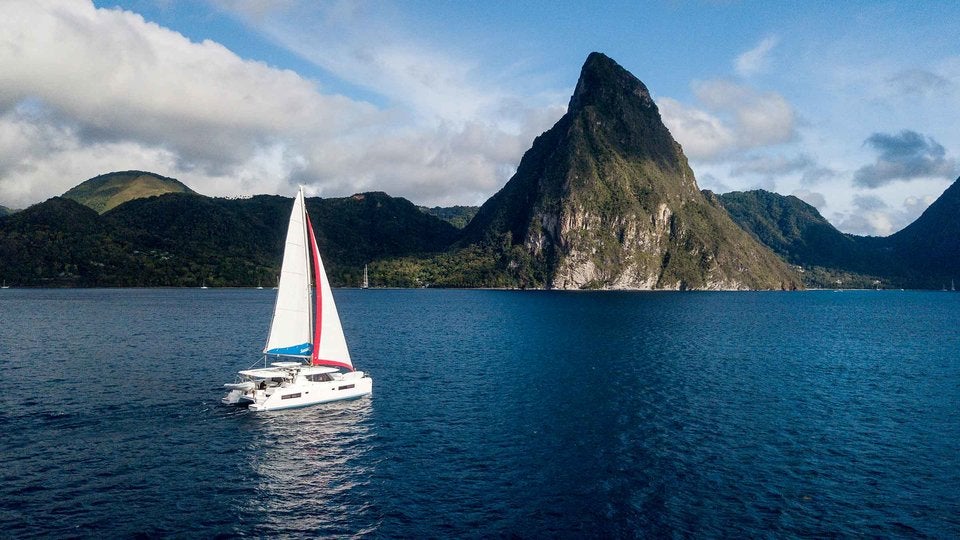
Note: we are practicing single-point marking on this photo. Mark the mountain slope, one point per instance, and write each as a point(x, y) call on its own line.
point(929, 248)
point(110, 190)
point(58, 242)
point(925, 254)
point(606, 199)
point(458, 216)
point(791, 228)
point(181, 239)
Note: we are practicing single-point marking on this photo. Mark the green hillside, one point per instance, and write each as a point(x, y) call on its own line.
point(927, 251)
point(458, 216)
point(925, 254)
point(108, 191)
point(181, 239)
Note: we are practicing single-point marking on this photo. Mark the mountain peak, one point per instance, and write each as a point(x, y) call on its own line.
point(612, 104)
point(606, 199)
point(107, 191)
point(604, 81)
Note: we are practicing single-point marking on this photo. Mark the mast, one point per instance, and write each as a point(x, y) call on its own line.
point(366, 282)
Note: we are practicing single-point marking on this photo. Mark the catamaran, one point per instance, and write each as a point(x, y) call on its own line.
point(312, 360)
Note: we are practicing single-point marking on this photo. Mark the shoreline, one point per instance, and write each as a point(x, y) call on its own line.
point(512, 289)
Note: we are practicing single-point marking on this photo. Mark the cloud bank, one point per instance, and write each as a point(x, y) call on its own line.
point(872, 216)
point(730, 118)
point(85, 91)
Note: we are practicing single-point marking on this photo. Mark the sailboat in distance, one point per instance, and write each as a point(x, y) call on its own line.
point(306, 338)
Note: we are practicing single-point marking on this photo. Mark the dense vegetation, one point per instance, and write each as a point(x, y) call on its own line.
point(4, 211)
point(458, 216)
point(926, 254)
point(189, 240)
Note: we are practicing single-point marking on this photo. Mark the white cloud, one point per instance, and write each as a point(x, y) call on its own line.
point(913, 207)
point(817, 174)
point(771, 165)
point(733, 118)
point(372, 46)
point(756, 59)
point(709, 181)
point(761, 118)
point(872, 216)
point(701, 134)
point(85, 91)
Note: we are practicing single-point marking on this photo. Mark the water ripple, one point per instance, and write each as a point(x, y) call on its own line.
point(494, 414)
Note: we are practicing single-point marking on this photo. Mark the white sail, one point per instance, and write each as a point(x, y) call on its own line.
point(332, 348)
point(291, 328)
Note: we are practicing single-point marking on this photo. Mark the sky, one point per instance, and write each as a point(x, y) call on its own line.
point(851, 106)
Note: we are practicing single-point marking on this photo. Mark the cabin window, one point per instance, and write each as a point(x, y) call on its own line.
point(346, 387)
point(290, 396)
point(320, 377)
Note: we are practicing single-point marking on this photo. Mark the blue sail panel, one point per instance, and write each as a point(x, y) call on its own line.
point(304, 349)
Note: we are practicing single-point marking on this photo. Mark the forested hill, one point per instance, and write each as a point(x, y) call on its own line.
point(182, 239)
point(187, 239)
point(458, 216)
point(925, 254)
point(107, 191)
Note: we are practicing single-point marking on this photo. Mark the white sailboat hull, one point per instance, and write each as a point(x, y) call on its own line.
point(300, 392)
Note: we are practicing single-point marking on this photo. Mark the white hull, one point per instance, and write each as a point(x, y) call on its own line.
point(273, 394)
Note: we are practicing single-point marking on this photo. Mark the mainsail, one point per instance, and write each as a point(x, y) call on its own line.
point(292, 321)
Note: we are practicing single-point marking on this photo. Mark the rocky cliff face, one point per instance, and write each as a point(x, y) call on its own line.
point(606, 199)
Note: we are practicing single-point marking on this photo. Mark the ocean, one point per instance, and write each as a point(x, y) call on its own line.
point(495, 413)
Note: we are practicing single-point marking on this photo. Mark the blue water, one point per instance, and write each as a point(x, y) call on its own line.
point(494, 413)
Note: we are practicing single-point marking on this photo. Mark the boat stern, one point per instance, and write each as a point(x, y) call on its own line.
point(239, 393)
point(233, 397)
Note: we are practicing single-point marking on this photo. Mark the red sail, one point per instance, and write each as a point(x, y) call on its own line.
point(315, 360)
point(318, 291)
